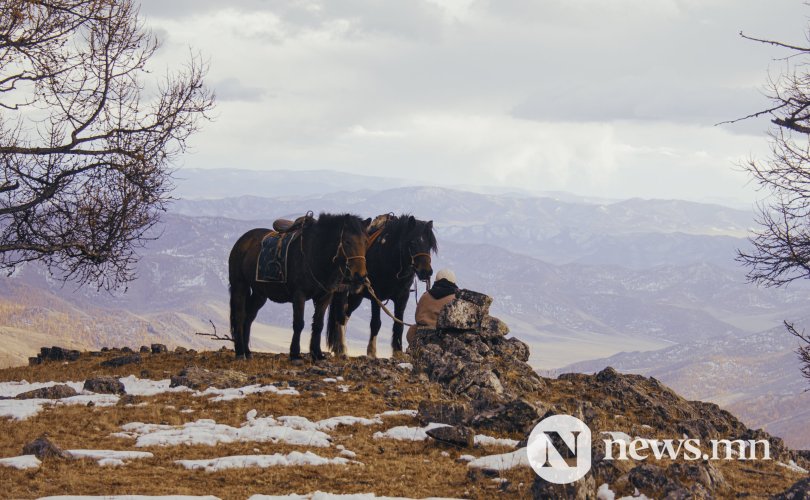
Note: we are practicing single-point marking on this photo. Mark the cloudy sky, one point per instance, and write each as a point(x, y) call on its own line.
point(604, 98)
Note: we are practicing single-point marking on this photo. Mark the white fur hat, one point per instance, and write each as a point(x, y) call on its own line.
point(446, 274)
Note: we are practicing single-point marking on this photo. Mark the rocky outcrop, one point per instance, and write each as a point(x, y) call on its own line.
point(200, 378)
point(42, 447)
point(468, 354)
point(122, 360)
point(54, 354)
point(57, 391)
point(104, 385)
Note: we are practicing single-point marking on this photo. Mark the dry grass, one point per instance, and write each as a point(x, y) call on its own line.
point(412, 469)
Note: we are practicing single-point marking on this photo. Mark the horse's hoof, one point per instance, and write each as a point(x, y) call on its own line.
point(240, 357)
point(318, 356)
point(249, 355)
point(296, 360)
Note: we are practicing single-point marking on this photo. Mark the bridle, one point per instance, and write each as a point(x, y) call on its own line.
point(412, 265)
point(345, 271)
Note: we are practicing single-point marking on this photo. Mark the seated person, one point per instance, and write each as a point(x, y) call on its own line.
point(431, 303)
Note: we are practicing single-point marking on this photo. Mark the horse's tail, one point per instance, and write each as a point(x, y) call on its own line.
point(337, 317)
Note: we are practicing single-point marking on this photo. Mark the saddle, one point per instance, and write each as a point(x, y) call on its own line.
point(376, 227)
point(288, 226)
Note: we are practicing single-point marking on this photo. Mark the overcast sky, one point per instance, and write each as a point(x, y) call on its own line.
point(606, 98)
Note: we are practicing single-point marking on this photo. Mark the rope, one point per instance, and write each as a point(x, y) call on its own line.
point(382, 306)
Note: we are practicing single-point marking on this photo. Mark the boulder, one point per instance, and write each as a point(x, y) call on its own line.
point(465, 312)
point(200, 378)
point(443, 412)
point(517, 415)
point(57, 391)
point(104, 385)
point(799, 491)
point(122, 360)
point(158, 348)
point(460, 436)
point(144, 350)
point(42, 447)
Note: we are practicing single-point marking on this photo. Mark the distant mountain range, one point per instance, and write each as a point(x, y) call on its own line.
point(577, 280)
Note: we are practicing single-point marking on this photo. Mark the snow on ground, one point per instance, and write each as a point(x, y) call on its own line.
point(327, 424)
point(793, 466)
point(406, 433)
point(109, 457)
point(21, 409)
point(405, 366)
point(292, 459)
point(396, 413)
point(483, 440)
point(241, 392)
point(11, 389)
point(146, 387)
point(208, 432)
point(21, 462)
point(503, 461)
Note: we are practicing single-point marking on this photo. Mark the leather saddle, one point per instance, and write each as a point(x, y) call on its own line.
point(288, 226)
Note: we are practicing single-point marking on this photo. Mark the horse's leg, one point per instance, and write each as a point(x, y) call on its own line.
point(321, 303)
point(239, 296)
point(254, 303)
point(375, 324)
point(298, 302)
point(399, 311)
point(352, 304)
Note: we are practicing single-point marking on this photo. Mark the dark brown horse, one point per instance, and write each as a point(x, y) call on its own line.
point(399, 250)
point(328, 254)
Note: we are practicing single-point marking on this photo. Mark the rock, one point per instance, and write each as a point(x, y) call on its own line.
point(180, 350)
point(460, 436)
point(122, 360)
point(479, 299)
point(443, 412)
point(462, 313)
point(607, 375)
point(43, 448)
point(34, 361)
point(650, 479)
point(127, 350)
point(58, 391)
point(158, 348)
point(199, 378)
point(705, 474)
point(584, 489)
point(104, 385)
point(58, 354)
point(799, 491)
point(518, 415)
point(144, 350)
point(493, 327)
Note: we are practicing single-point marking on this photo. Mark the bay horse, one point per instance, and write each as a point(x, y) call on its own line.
point(399, 249)
point(326, 255)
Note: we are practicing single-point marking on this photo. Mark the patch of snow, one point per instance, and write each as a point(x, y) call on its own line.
point(13, 388)
point(405, 433)
point(241, 392)
point(208, 432)
point(483, 440)
point(21, 409)
point(330, 379)
point(21, 462)
point(792, 465)
point(405, 366)
point(294, 458)
point(109, 457)
point(396, 413)
point(501, 462)
point(329, 424)
point(348, 454)
point(605, 493)
point(145, 387)
point(466, 458)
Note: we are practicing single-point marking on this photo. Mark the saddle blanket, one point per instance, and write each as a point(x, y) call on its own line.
point(271, 266)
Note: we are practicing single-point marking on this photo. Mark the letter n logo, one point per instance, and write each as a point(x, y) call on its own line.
point(547, 461)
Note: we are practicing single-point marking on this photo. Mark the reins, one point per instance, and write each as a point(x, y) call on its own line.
point(382, 306)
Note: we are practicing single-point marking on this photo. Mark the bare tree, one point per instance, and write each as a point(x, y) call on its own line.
point(86, 142)
point(781, 244)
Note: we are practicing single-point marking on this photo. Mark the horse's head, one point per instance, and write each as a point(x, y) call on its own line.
point(417, 242)
point(350, 252)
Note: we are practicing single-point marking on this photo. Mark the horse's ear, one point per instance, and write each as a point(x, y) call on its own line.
point(430, 225)
point(411, 222)
point(366, 224)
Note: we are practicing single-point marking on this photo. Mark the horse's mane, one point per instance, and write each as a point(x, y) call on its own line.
point(335, 222)
point(399, 227)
